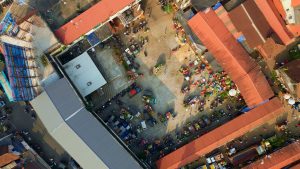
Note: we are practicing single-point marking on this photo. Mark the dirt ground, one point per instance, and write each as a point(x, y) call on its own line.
point(166, 86)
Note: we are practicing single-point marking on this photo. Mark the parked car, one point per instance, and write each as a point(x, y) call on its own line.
point(191, 100)
point(148, 97)
point(206, 120)
point(143, 124)
point(197, 126)
point(151, 122)
point(3, 117)
point(135, 89)
point(201, 123)
point(134, 111)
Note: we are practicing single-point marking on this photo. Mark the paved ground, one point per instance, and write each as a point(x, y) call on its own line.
point(116, 77)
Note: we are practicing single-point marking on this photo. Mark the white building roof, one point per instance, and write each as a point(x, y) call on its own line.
point(289, 10)
point(78, 131)
point(84, 74)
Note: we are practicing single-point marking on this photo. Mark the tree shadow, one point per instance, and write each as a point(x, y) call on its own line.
point(161, 59)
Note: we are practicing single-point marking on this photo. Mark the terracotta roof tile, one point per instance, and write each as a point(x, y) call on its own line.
point(89, 19)
point(270, 50)
point(279, 158)
point(295, 3)
point(295, 29)
point(7, 158)
point(224, 16)
point(221, 135)
point(232, 57)
point(280, 8)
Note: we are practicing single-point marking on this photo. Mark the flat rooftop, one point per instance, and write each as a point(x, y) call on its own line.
point(84, 74)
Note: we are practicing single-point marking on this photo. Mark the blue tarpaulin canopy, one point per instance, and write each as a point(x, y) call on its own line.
point(215, 7)
point(18, 71)
point(93, 39)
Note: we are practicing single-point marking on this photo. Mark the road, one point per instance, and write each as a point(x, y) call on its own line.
point(38, 135)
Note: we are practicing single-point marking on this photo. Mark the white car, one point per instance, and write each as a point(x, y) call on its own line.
point(208, 160)
point(143, 123)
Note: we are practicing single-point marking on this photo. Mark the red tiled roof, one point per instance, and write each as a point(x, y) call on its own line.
point(279, 7)
point(7, 158)
point(232, 57)
point(224, 16)
point(221, 135)
point(276, 22)
point(295, 3)
point(270, 49)
point(89, 19)
point(295, 29)
point(279, 158)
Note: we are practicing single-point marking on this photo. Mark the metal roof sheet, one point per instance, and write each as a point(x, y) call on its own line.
point(99, 140)
point(63, 98)
point(78, 131)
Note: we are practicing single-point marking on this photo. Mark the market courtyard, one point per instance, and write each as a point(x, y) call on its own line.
point(174, 94)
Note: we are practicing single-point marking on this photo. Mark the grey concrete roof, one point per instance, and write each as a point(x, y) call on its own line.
point(78, 131)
